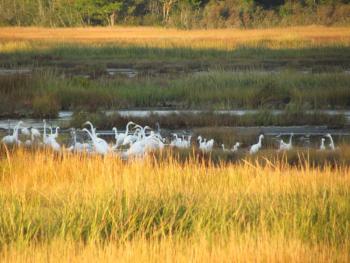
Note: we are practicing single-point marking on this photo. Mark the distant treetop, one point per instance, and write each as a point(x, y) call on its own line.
point(174, 13)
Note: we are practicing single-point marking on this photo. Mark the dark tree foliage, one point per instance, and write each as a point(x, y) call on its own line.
point(268, 4)
point(178, 13)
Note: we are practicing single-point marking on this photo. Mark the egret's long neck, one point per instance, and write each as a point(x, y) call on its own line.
point(92, 130)
point(44, 133)
point(91, 136)
point(116, 135)
point(127, 128)
point(15, 131)
point(142, 130)
point(290, 139)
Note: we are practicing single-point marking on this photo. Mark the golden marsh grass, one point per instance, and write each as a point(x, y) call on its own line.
point(23, 38)
point(70, 208)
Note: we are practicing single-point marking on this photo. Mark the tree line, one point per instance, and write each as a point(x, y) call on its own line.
point(174, 13)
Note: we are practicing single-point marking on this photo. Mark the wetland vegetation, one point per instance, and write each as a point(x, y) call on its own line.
point(81, 207)
point(180, 121)
point(177, 205)
point(45, 93)
point(301, 68)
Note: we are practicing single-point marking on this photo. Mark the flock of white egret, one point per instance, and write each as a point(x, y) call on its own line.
point(136, 141)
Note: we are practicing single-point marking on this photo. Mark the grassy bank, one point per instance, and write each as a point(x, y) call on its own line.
point(256, 54)
point(89, 208)
point(45, 92)
point(160, 48)
point(210, 119)
point(173, 58)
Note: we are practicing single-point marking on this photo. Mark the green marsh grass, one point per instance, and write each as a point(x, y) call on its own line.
point(210, 119)
point(46, 51)
point(210, 91)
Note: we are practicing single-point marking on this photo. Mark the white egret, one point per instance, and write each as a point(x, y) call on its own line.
point(235, 147)
point(331, 143)
point(122, 136)
point(286, 146)
point(322, 147)
point(100, 145)
point(13, 139)
point(256, 147)
point(224, 149)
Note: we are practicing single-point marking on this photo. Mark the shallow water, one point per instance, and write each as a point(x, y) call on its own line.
point(130, 72)
point(63, 119)
point(15, 71)
point(146, 113)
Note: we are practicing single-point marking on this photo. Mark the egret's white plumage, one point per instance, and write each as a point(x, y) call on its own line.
point(322, 147)
point(224, 149)
point(122, 136)
point(286, 146)
point(100, 145)
point(204, 145)
point(25, 131)
point(256, 147)
point(235, 147)
point(331, 142)
point(35, 132)
point(12, 139)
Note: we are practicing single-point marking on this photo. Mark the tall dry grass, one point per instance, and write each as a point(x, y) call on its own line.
point(26, 38)
point(243, 249)
point(70, 208)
